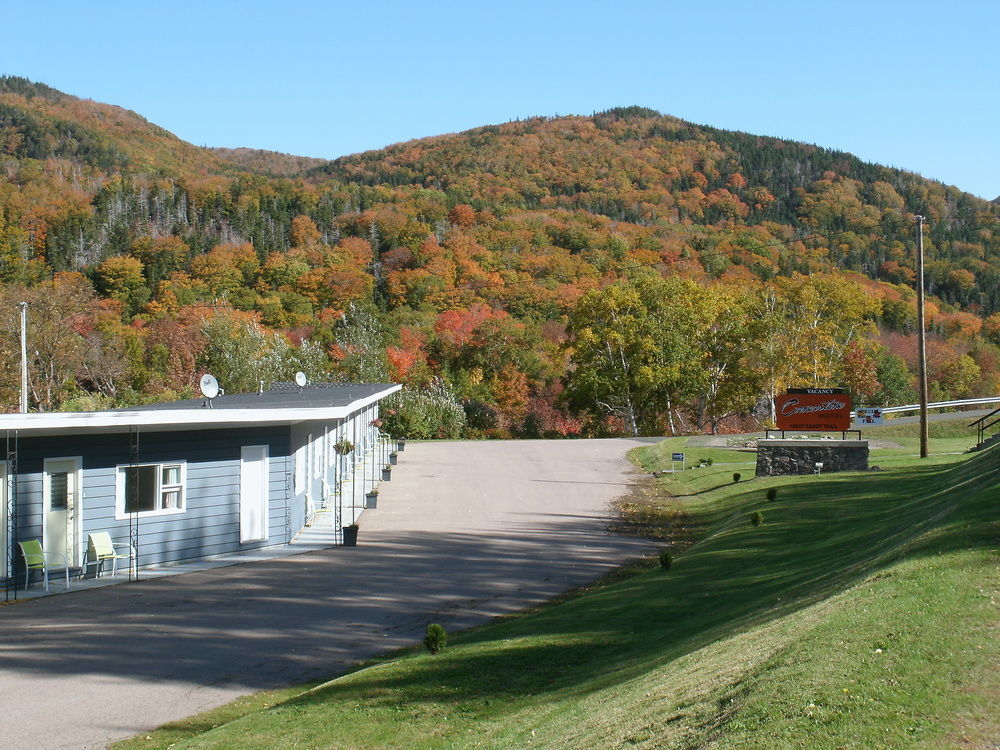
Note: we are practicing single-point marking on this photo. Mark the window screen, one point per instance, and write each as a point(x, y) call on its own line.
point(59, 490)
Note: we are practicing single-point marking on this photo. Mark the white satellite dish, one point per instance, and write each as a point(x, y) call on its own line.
point(300, 379)
point(209, 386)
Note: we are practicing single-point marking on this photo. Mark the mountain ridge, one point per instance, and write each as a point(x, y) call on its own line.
point(468, 253)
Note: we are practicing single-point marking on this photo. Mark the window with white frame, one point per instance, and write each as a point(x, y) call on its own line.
point(153, 489)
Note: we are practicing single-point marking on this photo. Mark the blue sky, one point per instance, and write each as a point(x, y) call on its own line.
point(911, 85)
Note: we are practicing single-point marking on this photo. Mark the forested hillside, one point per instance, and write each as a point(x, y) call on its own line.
point(558, 276)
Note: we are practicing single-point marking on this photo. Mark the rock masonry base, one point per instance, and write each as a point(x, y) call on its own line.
point(776, 457)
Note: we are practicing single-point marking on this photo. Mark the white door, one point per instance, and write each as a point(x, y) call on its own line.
point(253, 493)
point(62, 508)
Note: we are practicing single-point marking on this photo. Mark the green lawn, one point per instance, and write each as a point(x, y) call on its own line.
point(862, 613)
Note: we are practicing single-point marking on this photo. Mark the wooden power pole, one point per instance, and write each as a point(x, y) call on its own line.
point(921, 336)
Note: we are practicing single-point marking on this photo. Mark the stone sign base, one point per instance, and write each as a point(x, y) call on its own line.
point(776, 457)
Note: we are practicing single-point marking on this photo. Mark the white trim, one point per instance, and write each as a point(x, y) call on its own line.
point(202, 417)
point(121, 515)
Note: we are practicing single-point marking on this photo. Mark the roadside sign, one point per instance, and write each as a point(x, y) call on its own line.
point(868, 416)
point(677, 457)
point(817, 411)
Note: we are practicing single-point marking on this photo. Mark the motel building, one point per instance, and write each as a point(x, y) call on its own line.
point(181, 481)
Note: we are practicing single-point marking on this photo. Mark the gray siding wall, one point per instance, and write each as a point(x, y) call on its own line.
point(210, 523)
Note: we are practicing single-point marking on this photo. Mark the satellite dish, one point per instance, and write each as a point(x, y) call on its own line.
point(300, 379)
point(209, 386)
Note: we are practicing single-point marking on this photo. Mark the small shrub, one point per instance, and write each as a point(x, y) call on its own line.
point(757, 518)
point(709, 461)
point(435, 638)
point(737, 477)
point(772, 494)
point(666, 559)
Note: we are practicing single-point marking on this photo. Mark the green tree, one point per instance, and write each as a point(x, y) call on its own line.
point(360, 346)
point(241, 353)
point(634, 349)
point(120, 277)
point(895, 378)
point(423, 413)
point(731, 383)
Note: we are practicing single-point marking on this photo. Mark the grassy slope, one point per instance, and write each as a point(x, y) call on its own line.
point(757, 637)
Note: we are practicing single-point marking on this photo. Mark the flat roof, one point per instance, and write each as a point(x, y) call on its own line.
point(281, 405)
point(281, 396)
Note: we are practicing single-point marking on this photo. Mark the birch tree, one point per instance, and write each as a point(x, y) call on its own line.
point(634, 350)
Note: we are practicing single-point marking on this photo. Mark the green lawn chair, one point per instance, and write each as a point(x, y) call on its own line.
point(99, 549)
point(35, 558)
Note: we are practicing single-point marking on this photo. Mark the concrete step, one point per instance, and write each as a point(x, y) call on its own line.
point(313, 537)
point(992, 440)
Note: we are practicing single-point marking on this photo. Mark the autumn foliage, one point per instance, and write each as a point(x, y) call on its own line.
point(624, 272)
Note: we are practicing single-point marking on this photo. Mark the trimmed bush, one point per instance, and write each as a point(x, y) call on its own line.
point(709, 461)
point(757, 518)
point(435, 638)
point(772, 494)
point(737, 477)
point(666, 559)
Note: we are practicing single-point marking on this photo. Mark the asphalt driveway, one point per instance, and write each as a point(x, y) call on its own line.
point(464, 532)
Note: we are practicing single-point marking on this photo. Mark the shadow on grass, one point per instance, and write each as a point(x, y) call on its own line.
point(818, 538)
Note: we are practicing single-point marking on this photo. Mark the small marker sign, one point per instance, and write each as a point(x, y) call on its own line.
point(869, 416)
point(677, 457)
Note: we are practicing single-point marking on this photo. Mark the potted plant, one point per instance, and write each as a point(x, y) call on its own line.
point(386, 473)
point(350, 535)
point(400, 444)
point(371, 499)
point(343, 446)
point(393, 458)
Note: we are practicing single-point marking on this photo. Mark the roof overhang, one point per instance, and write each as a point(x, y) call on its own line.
point(67, 423)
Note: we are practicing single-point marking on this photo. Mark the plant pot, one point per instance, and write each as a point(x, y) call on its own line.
point(393, 458)
point(386, 475)
point(371, 500)
point(401, 445)
point(350, 536)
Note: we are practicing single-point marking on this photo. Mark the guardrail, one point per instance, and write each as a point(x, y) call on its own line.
point(940, 405)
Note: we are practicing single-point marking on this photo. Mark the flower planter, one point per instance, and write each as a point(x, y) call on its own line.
point(350, 536)
point(400, 445)
point(371, 500)
point(386, 475)
point(393, 458)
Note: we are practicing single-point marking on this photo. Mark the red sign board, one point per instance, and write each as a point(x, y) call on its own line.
point(814, 412)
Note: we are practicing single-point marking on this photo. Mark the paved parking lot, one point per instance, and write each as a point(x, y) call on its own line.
point(464, 531)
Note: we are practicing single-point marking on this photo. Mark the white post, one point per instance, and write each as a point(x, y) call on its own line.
point(24, 357)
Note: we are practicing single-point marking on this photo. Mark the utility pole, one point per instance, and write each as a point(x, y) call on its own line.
point(921, 336)
point(24, 357)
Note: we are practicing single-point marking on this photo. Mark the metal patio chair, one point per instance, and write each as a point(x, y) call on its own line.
point(99, 549)
point(35, 558)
